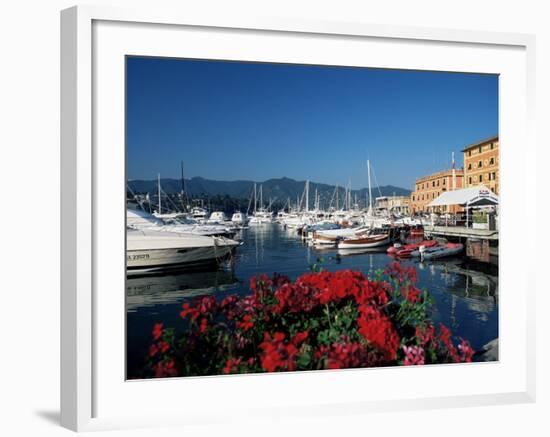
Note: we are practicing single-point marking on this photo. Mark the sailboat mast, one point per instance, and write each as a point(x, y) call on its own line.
point(370, 190)
point(160, 199)
point(183, 189)
point(337, 204)
point(307, 196)
point(255, 199)
point(261, 197)
point(316, 200)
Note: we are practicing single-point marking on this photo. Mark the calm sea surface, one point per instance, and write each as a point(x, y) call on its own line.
point(466, 299)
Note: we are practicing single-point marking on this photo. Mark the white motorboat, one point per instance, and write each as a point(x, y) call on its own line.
point(239, 218)
point(217, 217)
point(199, 213)
point(150, 251)
point(261, 218)
point(261, 215)
point(139, 219)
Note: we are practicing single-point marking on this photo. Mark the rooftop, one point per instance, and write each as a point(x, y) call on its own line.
point(449, 172)
point(465, 196)
point(479, 143)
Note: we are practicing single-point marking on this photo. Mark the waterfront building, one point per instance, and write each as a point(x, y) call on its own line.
point(481, 164)
point(430, 187)
point(394, 204)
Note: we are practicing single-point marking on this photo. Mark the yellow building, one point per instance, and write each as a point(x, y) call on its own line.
point(481, 164)
point(428, 188)
point(395, 204)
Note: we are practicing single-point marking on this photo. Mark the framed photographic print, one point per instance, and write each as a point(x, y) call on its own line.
point(291, 217)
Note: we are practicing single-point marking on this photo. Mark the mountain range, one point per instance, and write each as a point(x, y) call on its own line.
point(279, 189)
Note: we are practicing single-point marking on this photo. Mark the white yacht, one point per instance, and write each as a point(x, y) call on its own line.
point(261, 215)
point(239, 218)
point(199, 213)
point(217, 217)
point(139, 219)
point(149, 251)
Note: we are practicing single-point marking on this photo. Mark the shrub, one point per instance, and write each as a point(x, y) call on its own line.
point(323, 320)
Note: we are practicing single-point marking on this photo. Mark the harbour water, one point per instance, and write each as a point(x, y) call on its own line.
point(465, 295)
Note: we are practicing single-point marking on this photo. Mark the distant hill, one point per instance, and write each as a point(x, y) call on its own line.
point(279, 190)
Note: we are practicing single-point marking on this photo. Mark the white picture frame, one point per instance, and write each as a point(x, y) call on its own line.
point(85, 176)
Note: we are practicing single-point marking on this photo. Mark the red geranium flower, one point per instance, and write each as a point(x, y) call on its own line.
point(153, 349)
point(378, 330)
point(157, 331)
point(247, 323)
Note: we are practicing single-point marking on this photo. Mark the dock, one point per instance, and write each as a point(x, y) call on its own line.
point(460, 232)
point(481, 244)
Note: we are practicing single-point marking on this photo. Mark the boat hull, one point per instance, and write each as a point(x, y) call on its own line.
point(364, 242)
point(160, 260)
point(443, 252)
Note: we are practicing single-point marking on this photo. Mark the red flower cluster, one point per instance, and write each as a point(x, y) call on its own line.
point(466, 351)
point(445, 338)
point(425, 334)
point(234, 365)
point(378, 330)
point(160, 347)
point(346, 354)
point(276, 354)
point(164, 369)
point(205, 305)
point(247, 323)
point(412, 294)
point(322, 320)
point(157, 331)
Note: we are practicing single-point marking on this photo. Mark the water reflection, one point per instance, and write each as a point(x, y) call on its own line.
point(156, 290)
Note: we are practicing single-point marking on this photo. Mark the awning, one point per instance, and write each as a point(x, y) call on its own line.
point(474, 196)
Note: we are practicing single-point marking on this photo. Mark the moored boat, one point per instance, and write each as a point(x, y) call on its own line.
point(138, 219)
point(440, 251)
point(149, 252)
point(217, 217)
point(407, 249)
point(364, 242)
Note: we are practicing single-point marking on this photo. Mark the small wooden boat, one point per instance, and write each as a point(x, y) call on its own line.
point(324, 239)
point(364, 242)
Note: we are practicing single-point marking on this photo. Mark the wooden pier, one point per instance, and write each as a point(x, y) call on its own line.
point(460, 232)
point(481, 244)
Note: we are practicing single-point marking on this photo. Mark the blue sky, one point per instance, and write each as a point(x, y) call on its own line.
point(237, 120)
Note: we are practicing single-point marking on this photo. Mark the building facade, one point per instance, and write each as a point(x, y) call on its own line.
point(394, 204)
point(428, 188)
point(481, 164)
